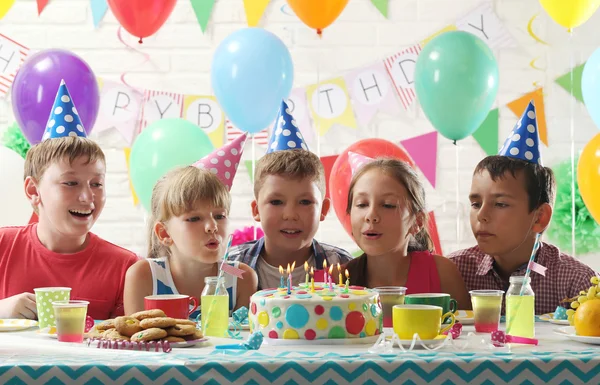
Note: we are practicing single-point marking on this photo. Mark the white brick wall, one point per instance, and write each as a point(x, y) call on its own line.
point(181, 57)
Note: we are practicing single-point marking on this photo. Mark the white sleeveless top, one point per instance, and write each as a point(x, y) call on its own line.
point(163, 282)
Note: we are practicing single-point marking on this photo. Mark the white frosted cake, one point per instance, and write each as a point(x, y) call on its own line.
point(319, 314)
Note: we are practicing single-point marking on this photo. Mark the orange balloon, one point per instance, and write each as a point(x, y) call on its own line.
point(318, 14)
point(588, 176)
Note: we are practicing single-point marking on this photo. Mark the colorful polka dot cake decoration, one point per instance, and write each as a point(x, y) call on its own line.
point(523, 142)
point(64, 119)
point(286, 135)
point(224, 161)
point(357, 161)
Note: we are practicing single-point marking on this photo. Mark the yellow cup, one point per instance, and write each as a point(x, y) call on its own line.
point(425, 320)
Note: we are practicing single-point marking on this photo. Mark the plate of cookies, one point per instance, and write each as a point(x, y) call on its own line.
point(149, 326)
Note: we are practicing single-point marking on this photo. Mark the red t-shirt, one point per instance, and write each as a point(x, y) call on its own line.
point(95, 274)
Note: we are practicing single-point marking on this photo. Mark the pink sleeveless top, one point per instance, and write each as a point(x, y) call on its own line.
point(422, 277)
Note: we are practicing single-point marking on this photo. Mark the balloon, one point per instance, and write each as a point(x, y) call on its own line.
point(142, 17)
point(318, 14)
point(570, 13)
point(15, 208)
point(590, 86)
point(162, 146)
point(251, 73)
point(456, 79)
point(588, 176)
point(36, 84)
point(341, 173)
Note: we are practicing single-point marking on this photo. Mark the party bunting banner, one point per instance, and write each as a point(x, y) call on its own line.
point(248, 164)
point(443, 30)
point(99, 8)
point(401, 67)
point(261, 138)
point(41, 4)
point(423, 150)
point(120, 107)
point(487, 134)
point(433, 233)
point(160, 105)
point(371, 92)
point(518, 106)
point(203, 9)
point(5, 6)
point(382, 6)
point(12, 55)
point(485, 24)
point(330, 104)
point(254, 10)
point(571, 82)
point(204, 111)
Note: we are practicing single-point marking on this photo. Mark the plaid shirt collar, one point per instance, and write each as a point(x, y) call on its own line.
point(251, 255)
point(486, 263)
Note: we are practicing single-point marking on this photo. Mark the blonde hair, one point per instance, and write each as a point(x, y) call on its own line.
point(179, 192)
point(405, 175)
point(292, 164)
point(42, 155)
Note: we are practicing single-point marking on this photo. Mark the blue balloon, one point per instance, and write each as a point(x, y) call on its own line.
point(590, 86)
point(251, 73)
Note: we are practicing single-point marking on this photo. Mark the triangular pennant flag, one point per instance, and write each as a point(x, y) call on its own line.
point(5, 6)
point(41, 4)
point(519, 105)
point(203, 9)
point(248, 164)
point(423, 150)
point(136, 200)
point(224, 161)
point(254, 10)
point(382, 6)
point(328, 162)
point(487, 134)
point(435, 236)
point(565, 82)
point(99, 8)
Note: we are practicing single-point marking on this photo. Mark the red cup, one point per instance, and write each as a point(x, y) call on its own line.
point(174, 305)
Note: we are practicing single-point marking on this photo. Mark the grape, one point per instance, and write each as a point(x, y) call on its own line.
point(595, 280)
point(582, 292)
point(582, 299)
point(591, 294)
point(574, 304)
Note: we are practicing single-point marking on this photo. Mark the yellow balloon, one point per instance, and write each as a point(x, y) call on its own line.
point(5, 5)
point(570, 13)
point(588, 176)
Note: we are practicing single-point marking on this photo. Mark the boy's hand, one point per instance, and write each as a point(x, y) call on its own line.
point(19, 306)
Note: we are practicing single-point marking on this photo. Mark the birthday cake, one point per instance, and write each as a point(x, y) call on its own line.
point(326, 312)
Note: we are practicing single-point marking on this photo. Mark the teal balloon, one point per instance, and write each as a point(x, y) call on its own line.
point(162, 146)
point(456, 80)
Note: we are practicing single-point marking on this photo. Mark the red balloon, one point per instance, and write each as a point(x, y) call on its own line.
point(341, 173)
point(141, 17)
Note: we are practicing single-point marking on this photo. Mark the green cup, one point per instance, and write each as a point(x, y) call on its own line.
point(442, 300)
point(44, 296)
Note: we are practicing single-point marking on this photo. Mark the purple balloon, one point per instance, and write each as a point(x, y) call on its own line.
point(36, 84)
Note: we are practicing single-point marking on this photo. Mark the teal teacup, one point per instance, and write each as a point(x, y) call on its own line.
point(442, 300)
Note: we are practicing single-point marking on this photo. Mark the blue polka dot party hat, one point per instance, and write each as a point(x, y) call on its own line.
point(286, 135)
point(523, 141)
point(64, 119)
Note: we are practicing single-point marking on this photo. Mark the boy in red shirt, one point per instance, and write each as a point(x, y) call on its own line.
point(64, 181)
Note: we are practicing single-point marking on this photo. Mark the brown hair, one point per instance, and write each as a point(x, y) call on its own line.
point(540, 183)
point(405, 175)
point(179, 192)
point(292, 164)
point(42, 155)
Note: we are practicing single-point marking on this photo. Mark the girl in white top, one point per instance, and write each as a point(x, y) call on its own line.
point(188, 232)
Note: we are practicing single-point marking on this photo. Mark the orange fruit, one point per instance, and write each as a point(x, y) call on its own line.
point(587, 319)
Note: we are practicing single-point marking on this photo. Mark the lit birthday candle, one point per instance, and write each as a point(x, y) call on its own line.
point(306, 269)
point(330, 280)
point(340, 275)
point(325, 272)
point(347, 280)
point(289, 285)
point(312, 280)
point(281, 278)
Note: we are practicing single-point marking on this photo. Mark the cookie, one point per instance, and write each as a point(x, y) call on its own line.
point(196, 336)
point(127, 326)
point(113, 334)
point(105, 325)
point(95, 333)
point(181, 321)
point(153, 313)
point(151, 334)
point(181, 330)
point(173, 339)
point(160, 322)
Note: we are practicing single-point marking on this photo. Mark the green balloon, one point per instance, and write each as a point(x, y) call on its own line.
point(162, 146)
point(456, 80)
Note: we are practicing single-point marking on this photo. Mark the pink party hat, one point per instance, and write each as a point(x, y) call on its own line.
point(357, 161)
point(224, 161)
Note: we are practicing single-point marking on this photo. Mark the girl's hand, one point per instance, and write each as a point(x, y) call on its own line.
point(19, 306)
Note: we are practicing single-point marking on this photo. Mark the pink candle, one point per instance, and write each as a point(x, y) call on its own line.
point(330, 280)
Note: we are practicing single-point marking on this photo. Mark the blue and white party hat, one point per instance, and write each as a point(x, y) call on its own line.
point(286, 135)
point(523, 142)
point(64, 119)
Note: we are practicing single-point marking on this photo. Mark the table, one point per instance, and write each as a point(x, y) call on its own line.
point(29, 358)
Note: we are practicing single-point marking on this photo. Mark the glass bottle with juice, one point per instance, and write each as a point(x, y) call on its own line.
point(520, 309)
point(214, 308)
